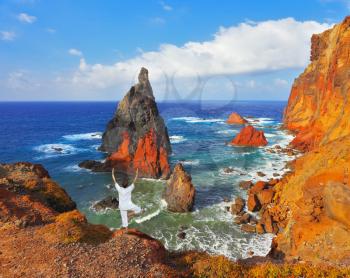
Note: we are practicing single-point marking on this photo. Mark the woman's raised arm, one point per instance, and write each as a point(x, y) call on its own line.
point(136, 176)
point(113, 177)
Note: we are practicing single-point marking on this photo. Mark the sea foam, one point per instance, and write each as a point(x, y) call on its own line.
point(175, 139)
point(83, 136)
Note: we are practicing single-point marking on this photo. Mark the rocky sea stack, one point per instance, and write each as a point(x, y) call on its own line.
point(136, 137)
point(236, 119)
point(180, 192)
point(250, 137)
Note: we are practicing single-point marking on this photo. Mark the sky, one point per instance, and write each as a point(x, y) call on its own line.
point(92, 50)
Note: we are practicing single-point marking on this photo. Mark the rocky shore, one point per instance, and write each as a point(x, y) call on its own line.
point(44, 235)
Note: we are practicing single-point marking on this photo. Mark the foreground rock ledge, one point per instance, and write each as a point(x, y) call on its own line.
point(136, 137)
point(179, 192)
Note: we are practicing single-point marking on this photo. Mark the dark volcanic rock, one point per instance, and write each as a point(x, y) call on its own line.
point(179, 192)
point(107, 203)
point(95, 166)
point(136, 137)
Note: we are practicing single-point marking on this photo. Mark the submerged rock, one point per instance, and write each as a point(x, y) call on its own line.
point(136, 137)
point(107, 203)
point(250, 137)
point(179, 192)
point(238, 205)
point(236, 119)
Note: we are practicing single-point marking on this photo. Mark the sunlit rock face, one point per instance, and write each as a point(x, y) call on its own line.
point(318, 109)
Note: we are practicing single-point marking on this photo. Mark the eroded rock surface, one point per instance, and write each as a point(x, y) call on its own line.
point(250, 137)
point(179, 192)
point(136, 137)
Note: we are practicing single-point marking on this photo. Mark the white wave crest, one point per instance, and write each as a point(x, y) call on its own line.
point(175, 139)
point(83, 136)
point(51, 150)
point(194, 120)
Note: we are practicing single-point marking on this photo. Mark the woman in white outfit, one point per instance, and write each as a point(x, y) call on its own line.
point(125, 203)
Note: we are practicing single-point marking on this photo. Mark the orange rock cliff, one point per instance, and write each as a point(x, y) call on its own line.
point(311, 204)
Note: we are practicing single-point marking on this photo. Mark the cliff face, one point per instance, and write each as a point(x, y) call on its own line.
point(318, 108)
point(311, 204)
point(136, 137)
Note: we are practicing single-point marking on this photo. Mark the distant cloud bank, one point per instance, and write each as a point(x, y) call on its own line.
point(247, 48)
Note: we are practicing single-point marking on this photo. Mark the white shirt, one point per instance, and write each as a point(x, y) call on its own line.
point(125, 202)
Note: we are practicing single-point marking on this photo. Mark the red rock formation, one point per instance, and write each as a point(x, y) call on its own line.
point(249, 136)
point(136, 137)
point(311, 204)
point(236, 119)
point(180, 192)
point(318, 108)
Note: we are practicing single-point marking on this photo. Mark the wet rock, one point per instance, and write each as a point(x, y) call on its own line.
point(266, 196)
point(248, 228)
point(253, 203)
point(95, 166)
point(238, 205)
point(107, 203)
point(273, 182)
point(249, 136)
point(260, 174)
point(181, 235)
point(257, 187)
point(259, 228)
point(245, 185)
point(228, 170)
point(179, 192)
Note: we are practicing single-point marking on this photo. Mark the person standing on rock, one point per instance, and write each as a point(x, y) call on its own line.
point(125, 203)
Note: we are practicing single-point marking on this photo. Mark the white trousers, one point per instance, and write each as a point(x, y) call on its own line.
point(124, 214)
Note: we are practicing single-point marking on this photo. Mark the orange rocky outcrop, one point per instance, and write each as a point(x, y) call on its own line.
point(312, 203)
point(43, 235)
point(318, 108)
point(249, 136)
point(236, 119)
point(179, 192)
point(136, 137)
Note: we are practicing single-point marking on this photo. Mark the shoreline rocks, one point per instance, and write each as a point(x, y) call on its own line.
point(236, 119)
point(179, 192)
point(249, 137)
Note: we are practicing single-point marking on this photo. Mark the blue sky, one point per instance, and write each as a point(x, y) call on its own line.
point(92, 50)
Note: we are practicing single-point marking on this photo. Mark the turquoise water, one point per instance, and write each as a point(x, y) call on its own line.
point(199, 137)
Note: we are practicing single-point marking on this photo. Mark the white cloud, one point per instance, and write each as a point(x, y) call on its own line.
point(26, 18)
point(21, 80)
point(157, 20)
point(75, 52)
point(242, 49)
point(281, 82)
point(165, 6)
point(51, 30)
point(7, 35)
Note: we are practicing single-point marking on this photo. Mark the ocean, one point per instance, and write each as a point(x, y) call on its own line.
point(59, 135)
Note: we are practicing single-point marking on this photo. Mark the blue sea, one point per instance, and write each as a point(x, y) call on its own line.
point(59, 135)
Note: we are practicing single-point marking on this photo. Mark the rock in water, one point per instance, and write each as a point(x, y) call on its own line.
point(137, 137)
point(250, 137)
point(236, 119)
point(179, 193)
